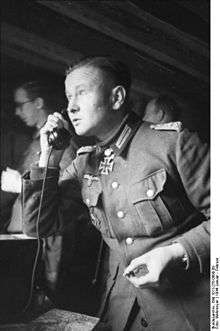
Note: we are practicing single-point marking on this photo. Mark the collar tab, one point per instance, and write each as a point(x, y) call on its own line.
point(173, 126)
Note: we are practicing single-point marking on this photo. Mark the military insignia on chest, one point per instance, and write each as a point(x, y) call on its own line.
point(106, 166)
point(90, 178)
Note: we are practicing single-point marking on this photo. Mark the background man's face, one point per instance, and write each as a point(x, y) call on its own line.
point(25, 107)
point(89, 107)
point(151, 114)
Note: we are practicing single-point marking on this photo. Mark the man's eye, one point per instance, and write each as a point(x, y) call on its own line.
point(81, 92)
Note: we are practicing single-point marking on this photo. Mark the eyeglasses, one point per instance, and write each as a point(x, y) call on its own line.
point(20, 104)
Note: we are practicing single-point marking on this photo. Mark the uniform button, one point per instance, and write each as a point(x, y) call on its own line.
point(144, 322)
point(87, 201)
point(129, 241)
point(115, 185)
point(120, 214)
point(150, 193)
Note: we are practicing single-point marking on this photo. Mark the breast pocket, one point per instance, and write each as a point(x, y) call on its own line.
point(92, 197)
point(147, 197)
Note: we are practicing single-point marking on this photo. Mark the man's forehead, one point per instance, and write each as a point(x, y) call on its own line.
point(84, 75)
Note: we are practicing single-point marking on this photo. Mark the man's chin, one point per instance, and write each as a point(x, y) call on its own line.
point(81, 132)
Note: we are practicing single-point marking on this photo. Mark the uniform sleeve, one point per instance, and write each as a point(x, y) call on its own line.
point(193, 163)
point(61, 203)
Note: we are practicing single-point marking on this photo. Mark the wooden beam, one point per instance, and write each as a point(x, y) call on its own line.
point(33, 43)
point(84, 13)
point(25, 46)
point(201, 8)
point(32, 58)
point(180, 37)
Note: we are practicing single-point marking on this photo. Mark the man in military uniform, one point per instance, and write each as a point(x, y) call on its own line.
point(162, 109)
point(147, 191)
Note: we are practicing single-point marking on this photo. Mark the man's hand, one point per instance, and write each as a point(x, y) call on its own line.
point(54, 121)
point(11, 181)
point(146, 269)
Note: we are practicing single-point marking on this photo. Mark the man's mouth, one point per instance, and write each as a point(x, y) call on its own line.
point(76, 121)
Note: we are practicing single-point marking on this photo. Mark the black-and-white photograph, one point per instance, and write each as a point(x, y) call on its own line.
point(105, 166)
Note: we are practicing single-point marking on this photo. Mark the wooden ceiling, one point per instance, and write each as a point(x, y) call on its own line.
point(165, 42)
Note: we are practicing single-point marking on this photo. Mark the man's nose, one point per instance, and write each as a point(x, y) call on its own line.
point(72, 106)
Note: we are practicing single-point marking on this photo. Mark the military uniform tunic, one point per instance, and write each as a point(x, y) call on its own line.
point(146, 187)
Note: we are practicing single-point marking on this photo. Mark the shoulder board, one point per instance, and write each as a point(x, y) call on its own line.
point(173, 126)
point(85, 149)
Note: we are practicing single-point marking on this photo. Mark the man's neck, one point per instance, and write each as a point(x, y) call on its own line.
point(41, 120)
point(113, 131)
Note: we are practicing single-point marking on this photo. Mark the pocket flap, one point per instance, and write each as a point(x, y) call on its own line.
point(149, 187)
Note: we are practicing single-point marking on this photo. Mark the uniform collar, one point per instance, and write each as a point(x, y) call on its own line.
point(127, 131)
point(107, 142)
point(119, 138)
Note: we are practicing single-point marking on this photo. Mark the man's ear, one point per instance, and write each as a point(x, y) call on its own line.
point(39, 102)
point(118, 97)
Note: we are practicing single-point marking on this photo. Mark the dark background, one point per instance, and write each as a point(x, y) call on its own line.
point(165, 43)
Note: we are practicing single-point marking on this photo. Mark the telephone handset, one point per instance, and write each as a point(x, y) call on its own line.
point(60, 138)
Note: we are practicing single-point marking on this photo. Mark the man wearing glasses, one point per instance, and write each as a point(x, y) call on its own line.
point(34, 101)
